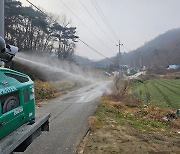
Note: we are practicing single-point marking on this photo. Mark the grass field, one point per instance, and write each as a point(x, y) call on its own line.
point(123, 125)
point(159, 92)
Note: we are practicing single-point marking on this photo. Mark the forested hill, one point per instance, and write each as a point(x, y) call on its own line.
point(159, 52)
point(83, 61)
point(34, 31)
point(156, 53)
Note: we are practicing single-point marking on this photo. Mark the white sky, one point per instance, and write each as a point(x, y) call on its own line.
point(133, 21)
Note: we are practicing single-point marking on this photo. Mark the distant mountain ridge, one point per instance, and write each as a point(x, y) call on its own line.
point(83, 61)
point(161, 51)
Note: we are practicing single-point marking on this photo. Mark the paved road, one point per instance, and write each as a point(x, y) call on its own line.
point(69, 120)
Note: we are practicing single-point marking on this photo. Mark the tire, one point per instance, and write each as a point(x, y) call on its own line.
point(10, 103)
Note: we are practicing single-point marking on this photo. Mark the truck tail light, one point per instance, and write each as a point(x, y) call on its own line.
point(32, 96)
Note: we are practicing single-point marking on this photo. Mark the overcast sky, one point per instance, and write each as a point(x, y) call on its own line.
point(133, 21)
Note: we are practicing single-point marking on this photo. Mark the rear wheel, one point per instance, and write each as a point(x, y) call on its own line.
point(11, 103)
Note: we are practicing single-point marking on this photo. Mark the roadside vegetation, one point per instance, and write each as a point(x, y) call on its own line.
point(32, 31)
point(48, 90)
point(138, 117)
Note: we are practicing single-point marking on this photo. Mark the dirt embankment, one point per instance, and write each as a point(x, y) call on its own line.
point(123, 125)
point(48, 90)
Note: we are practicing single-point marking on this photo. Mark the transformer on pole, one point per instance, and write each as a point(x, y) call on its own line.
point(119, 57)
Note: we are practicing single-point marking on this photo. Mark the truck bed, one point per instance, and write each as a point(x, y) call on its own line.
point(18, 140)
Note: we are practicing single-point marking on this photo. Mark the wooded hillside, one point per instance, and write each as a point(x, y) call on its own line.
point(159, 52)
point(156, 53)
point(33, 30)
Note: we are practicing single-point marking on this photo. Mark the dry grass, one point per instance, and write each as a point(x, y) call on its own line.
point(123, 125)
point(119, 128)
point(44, 91)
point(49, 90)
point(94, 123)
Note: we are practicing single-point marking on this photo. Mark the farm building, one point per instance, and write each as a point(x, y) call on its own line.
point(174, 66)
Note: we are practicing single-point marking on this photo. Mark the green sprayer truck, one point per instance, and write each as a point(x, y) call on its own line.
point(19, 125)
point(17, 100)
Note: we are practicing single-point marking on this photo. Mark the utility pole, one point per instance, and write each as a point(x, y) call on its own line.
point(2, 18)
point(140, 62)
point(119, 45)
point(134, 60)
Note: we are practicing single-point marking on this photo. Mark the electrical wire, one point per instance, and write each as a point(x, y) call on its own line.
point(85, 25)
point(96, 51)
point(107, 21)
point(92, 48)
point(100, 12)
point(96, 21)
point(78, 38)
point(41, 11)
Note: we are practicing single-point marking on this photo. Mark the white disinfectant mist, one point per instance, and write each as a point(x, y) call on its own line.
point(51, 68)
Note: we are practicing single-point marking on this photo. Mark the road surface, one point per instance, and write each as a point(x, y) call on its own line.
point(69, 120)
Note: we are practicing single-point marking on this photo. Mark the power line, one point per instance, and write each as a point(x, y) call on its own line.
point(100, 12)
point(96, 21)
point(41, 11)
point(85, 25)
point(92, 48)
point(107, 21)
point(36, 7)
point(96, 50)
point(78, 38)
